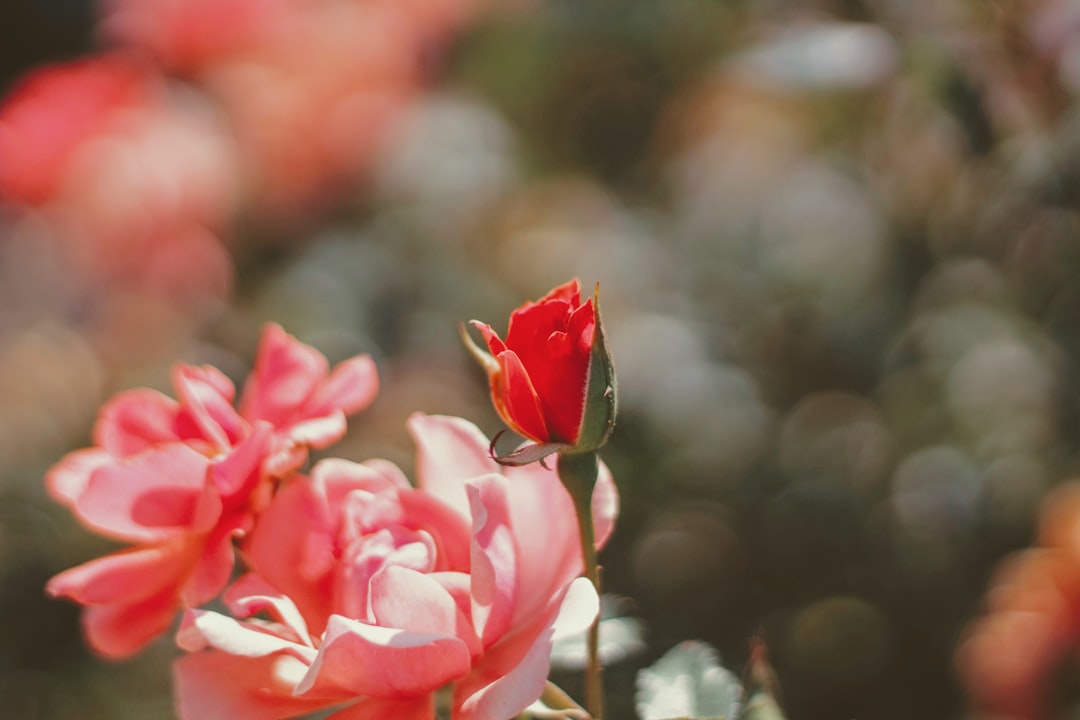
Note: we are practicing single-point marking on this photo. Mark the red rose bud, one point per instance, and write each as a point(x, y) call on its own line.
point(552, 379)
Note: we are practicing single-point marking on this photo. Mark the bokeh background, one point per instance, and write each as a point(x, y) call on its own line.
point(838, 243)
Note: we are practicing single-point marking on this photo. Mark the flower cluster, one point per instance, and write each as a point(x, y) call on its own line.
point(358, 592)
point(180, 479)
point(380, 593)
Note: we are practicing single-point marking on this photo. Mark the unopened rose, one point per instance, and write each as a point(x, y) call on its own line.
point(551, 379)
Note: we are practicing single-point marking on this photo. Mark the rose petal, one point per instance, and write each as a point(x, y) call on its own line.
point(218, 686)
point(422, 708)
point(127, 576)
point(67, 479)
point(292, 547)
point(286, 374)
point(553, 340)
point(212, 570)
point(135, 420)
point(393, 474)
point(485, 696)
point(320, 431)
point(494, 557)
point(406, 599)
point(382, 662)
point(120, 631)
point(206, 397)
point(157, 494)
point(202, 629)
point(549, 552)
point(236, 475)
point(449, 451)
point(336, 477)
point(459, 585)
point(513, 674)
point(517, 400)
point(351, 387)
point(494, 342)
point(368, 554)
point(251, 594)
point(450, 530)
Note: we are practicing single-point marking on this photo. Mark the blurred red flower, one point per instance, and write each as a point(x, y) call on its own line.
point(1010, 658)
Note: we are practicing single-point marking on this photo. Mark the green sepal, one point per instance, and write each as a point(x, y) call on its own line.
point(598, 416)
point(482, 356)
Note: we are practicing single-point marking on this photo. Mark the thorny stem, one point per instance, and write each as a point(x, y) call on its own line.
point(578, 472)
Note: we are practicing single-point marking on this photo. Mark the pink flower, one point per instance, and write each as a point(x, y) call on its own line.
point(180, 478)
point(381, 593)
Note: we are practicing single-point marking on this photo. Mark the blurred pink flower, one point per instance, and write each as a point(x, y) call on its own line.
point(186, 36)
point(191, 36)
point(310, 87)
point(132, 181)
point(309, 107)
point(51, 112)
point(381, 593)
point(181, 478)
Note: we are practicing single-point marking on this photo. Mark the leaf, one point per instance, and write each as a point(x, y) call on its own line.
point(688, 682)
point(620, 638)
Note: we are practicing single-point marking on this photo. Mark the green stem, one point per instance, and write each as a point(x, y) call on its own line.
point(578, 472)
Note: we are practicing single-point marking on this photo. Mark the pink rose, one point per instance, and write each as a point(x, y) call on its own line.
point(180, 478)
point(382, 593)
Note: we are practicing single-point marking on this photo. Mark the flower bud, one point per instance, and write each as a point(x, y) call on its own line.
point(552, 379)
